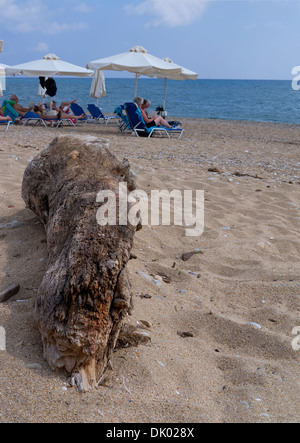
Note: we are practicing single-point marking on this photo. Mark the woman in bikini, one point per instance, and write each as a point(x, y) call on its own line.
point(157, 120)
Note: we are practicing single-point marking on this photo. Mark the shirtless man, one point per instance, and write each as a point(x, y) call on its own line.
point(14, 102)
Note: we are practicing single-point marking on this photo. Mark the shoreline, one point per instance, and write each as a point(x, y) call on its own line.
point(295, 125)
point(224, 120)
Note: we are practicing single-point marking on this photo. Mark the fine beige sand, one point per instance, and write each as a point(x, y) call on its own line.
point(229, 370)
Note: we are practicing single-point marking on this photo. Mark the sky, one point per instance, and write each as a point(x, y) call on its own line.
point(219, 39)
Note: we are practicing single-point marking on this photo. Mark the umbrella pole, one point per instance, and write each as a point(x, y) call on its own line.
point(136, 81)
point(165, 96)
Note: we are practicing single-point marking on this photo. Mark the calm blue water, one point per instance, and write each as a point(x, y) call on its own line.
point(251, 100)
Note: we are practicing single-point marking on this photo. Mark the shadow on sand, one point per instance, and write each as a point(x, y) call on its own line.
point(23, 251)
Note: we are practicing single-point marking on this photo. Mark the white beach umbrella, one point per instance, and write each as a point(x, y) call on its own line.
point(3, 68)
point(185, 74)
point(49, 66)
point(137, 61)
point(98, 89)
point(2, 77)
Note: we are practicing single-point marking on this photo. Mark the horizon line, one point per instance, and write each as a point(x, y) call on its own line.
point(149, 78)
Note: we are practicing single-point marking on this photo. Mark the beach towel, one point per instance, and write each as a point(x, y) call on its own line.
point(7, 102)
point(51, 87)
point(119, 111)
point(9, 111)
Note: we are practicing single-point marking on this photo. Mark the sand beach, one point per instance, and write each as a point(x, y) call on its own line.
point(238, 300)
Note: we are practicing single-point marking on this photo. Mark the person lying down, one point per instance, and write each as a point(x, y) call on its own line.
point(55, 114)
point(38, 110)
point(4, 119)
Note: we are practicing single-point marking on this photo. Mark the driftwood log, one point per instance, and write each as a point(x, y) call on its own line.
point(85, 293)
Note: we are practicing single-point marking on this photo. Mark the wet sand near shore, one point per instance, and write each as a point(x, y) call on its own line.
point(238, 300)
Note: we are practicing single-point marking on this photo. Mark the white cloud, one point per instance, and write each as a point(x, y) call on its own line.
point(82, 7)
point(170, 13)
point(55, 28)
point(42, 47)
point(275, 25)
point(250, 26)
point(23, 16)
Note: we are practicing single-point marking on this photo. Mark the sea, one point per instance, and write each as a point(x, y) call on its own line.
point(248, 100)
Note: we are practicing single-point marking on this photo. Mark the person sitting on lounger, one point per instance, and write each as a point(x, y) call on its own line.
point(4, 119)
point(157, 120)
point(14, 102)
point(138, 101)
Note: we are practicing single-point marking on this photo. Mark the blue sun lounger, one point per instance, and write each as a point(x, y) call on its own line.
point(140, 128)
point(124, 125)
point(78, 111)
point(9, 112)
point(33, 118)
point(6, 124)
point(98, 115)
point(29, 117)
point(58, 122)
